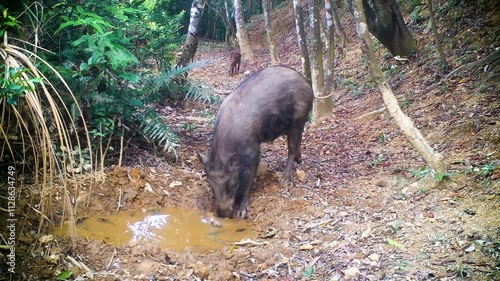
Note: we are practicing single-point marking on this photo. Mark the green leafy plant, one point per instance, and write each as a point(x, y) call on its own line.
point(395, 226)
point(487, 169)
point(64, 275)
point(377, 161)
point(382, 137)
point(444, 176)
point(421, 172)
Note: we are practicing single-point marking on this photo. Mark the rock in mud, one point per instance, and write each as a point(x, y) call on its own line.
point(201, 270)
point(351, 273)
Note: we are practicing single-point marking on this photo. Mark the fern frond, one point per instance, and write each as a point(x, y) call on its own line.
point(203, 94)
point(165, 78)
point(156, 130)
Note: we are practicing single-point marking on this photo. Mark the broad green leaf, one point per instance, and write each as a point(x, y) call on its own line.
point(65, 275)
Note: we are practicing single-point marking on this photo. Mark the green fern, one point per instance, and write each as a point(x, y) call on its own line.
point(165, 79)
point(155, 129)
point(202, 94)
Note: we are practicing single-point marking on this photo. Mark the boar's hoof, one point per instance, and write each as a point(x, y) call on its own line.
point(242, 213)
point(287, 176)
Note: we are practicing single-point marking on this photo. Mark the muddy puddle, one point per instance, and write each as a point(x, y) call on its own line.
point(170, 228)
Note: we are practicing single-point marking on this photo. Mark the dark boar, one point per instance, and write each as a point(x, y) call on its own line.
point(273, 102)
point(234, 62)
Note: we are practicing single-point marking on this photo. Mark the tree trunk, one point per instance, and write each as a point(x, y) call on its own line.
point(191, 44)
point(321, 106)
point(225, 20)
point(272, 45)
point(432, 158)
point(232, 29)
point(387, 25)
point(330, 84)
point(301, 38)
point(249, 10)
point(241, 32)
point(338, 26)
point(436, 35)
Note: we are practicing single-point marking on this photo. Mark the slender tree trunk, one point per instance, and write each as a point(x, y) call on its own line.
point(232, 29)
point(431, 157)
point(330, 84)
point(436, 35)
point(338, 26)
point(322, 104)
point(241, 32)
point(249, 10)
point(301, 38)
point(272, 45)
point(191, 44)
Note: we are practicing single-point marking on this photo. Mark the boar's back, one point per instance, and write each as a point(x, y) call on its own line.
point(263, 107)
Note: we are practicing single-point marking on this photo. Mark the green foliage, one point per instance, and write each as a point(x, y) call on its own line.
point(487, 169)
point(421, 172)
point(203, 94)
point(8, 22)
point(156, 129)
point(444, 176)
point(64, 275)
point(377, 161)
point(382, 137)
point(100, 42)
point(14, 84)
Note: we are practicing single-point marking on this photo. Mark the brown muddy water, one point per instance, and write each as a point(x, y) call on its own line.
point(170, 228)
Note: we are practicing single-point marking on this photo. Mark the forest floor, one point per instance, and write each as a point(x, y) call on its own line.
point(353, 213)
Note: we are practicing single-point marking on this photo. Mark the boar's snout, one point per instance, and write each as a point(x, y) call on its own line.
point(224, 208)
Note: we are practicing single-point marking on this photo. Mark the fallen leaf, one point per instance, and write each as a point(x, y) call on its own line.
point(301, 175)
point(393, 243)
point(306, 247)
point(175, 183)
point(148, 187)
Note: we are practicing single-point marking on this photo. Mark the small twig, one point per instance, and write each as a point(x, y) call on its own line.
point(119, 200)
point(313, 262)
point(323, 222)
point(249, 241)
point(75, 262)
point(111, 259)
point(40, 213)
point(380, 110)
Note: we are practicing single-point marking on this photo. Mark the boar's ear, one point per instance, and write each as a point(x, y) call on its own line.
point(202, 157)
point(233, 162)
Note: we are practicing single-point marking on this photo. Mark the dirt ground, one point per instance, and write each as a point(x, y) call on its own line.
point(352, 214)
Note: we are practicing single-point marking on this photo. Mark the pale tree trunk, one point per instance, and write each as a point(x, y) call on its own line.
point(272, 45)
point(191, 44)
point(232, 29)
point(330, 84)
point(436, 35)
point(301, 37)
point(321, 108)
point(241, 32)
point(433, 159)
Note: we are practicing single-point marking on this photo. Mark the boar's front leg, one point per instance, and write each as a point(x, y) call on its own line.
point(242, 195)
point(294, 140)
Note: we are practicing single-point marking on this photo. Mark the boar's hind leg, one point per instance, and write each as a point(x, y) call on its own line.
point(294, 140)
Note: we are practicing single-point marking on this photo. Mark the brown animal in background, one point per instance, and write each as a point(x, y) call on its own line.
point(234, 62)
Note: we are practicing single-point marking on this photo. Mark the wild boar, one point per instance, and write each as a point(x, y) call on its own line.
point(234, 62)
point(273, 102)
